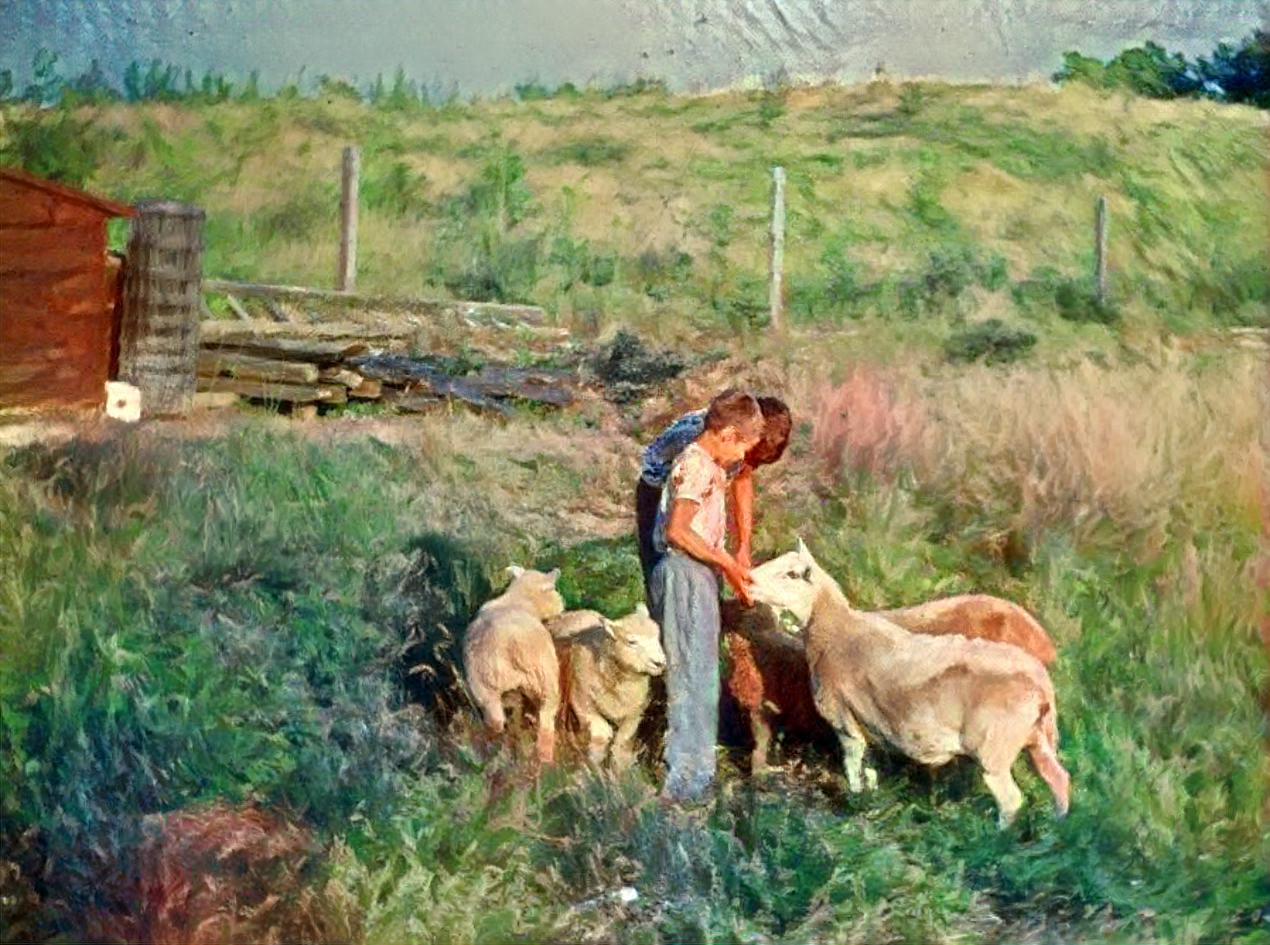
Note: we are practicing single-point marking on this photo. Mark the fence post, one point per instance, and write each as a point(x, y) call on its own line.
point(775, 297)
point(1100, 250)
point(162, 303)
point(346, 278)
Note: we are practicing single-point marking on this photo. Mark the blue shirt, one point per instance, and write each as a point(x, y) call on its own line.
point(661, 454)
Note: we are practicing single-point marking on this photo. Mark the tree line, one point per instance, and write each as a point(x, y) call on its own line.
point(1238, 72)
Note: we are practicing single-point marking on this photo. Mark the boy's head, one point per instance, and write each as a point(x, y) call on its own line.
point(776, 427)
point(735, 421)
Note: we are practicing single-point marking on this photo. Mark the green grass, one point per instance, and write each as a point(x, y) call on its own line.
point(190, 620)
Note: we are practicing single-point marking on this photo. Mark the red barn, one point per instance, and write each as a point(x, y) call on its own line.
point(59, 321)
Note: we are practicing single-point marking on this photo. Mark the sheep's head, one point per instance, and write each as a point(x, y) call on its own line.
point(538, 589)
point(635, 642)
point(790, 582)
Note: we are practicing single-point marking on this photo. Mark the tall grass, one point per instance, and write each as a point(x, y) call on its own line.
point(237, 619)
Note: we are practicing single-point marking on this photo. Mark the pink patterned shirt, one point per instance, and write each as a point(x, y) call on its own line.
point(697, 477)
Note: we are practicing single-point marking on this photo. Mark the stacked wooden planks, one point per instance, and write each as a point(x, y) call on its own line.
point(334, 362)
point(290, 363)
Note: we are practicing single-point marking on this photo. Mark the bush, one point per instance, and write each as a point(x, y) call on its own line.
point(603, 574)
point(397, 190)
point(579, 264)
point(424, 599)
point(591, 152)
point(1074, 300)
point(498, 270)
point(991, 340)
point(53, 144)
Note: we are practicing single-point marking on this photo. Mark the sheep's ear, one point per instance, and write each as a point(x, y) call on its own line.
point(802, 548)
point(609, 630)
point(554, 575)
point(514, 570)
point(641, 609)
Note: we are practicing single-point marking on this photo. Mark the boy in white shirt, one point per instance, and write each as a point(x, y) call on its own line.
point(684, 586)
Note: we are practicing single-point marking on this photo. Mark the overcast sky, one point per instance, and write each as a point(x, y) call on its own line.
point(488, 45)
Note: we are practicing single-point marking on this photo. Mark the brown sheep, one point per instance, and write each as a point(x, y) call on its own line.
point(767, 671)
point(508, 650)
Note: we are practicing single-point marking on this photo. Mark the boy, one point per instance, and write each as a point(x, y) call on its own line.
point(663, 451)
point(684, 588)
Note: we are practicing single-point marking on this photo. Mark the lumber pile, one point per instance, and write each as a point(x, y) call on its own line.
point(335, 362)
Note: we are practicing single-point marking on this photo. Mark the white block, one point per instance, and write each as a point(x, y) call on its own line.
point(123, 401)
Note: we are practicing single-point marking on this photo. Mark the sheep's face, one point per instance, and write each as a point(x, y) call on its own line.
point(538, 589)
point(788, 583)
point(635, 643)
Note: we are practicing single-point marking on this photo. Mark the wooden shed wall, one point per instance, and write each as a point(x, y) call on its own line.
point(57, 321)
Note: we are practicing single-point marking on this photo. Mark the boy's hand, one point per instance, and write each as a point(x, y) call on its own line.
point(738, 578)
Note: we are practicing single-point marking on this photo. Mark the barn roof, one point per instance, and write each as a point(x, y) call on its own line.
point(106, 207)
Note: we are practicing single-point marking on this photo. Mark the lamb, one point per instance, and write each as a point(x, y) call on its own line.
point(507, 649)
point(931, 697)
point(605, 677)
point(767, 668)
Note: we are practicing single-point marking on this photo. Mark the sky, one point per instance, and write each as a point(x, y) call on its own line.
point(486, 46)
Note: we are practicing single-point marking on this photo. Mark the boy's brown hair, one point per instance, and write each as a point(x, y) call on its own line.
point(737, 409)
point(777, 424)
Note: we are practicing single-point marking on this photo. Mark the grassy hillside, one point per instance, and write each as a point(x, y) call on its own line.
point(920, 203)
point(248, 609)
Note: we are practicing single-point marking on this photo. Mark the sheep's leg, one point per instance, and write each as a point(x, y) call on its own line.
point(546, 744)
point(859, 776)
point(622, 752)
point(1007, 794)
point(599, 736)
point(761, 730)
point(1048, 767)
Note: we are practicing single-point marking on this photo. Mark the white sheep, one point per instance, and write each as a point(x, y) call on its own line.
point(606, 677)
point(507, 649)
point(931, 697)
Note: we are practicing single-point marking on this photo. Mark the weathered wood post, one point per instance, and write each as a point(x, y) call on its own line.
point(162, 302)
point(1100, 250)
point(775, 297)
point(346, 278)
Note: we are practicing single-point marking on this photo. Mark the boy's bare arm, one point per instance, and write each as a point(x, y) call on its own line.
point(742, 495)
point(680, 535)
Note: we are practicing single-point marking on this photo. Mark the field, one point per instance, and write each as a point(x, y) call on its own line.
point(254, 610)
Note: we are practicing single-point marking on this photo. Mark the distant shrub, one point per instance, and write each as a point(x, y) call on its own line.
point(532, 91)
point(771, 106)
point(54, 144)
point(990, 340)
point(333, 88)
point(500, 269)
point(301, 214)
point(1073, 299)
point(591, 152)
point(660, 271)
point(949, 272)
point(579, 263)
point(397, 190)
point(640, 86)
point(912, 99)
